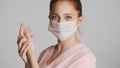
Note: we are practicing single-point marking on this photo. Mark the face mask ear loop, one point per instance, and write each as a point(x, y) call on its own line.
point(78, 28)
point(77, 25)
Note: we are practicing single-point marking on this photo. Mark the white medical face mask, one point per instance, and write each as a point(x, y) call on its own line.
point(63, 30)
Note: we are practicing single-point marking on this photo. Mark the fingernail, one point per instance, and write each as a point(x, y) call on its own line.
point(21, 23)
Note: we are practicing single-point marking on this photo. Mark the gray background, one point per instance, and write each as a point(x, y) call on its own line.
point(100, 29)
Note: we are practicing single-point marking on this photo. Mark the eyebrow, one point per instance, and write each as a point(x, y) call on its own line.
point(68, 14)
point(63, 14)
point(53, 14)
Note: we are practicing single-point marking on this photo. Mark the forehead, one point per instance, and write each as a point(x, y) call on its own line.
point(64, 7)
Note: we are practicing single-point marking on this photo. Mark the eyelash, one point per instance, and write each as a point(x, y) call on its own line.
point(68, 17)
point(53, 17)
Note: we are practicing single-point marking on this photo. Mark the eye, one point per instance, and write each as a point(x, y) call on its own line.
point(68, 17)
point(53, 17)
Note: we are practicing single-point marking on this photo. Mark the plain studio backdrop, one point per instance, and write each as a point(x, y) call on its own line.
point(100, 30)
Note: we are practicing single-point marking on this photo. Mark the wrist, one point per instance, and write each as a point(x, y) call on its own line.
point(31, 57)
point(32, 61)
point(27, 65)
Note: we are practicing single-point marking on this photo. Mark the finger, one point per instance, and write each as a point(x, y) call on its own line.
point(23, 40)
point(19, 38)
point(26, 49)
point(22, 54)
point(32, 35)
point(27, 34)
point(22, 30)
point(29, 29)
point(21, 50)
point(23, 46)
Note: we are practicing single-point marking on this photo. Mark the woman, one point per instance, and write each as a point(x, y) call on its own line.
point(69, 52)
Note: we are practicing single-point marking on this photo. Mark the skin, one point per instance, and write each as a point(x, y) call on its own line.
point(26, 47)
point(62, 11)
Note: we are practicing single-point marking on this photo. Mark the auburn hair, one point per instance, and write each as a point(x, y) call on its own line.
point(77, 4)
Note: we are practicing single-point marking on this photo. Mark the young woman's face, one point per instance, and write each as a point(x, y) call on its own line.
point(63, 11)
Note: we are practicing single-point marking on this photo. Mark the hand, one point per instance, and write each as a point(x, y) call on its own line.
point(25, 44)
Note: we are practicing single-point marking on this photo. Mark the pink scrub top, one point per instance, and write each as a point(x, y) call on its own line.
point(77, 57)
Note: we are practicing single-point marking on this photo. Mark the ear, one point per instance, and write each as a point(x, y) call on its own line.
point(80, 19)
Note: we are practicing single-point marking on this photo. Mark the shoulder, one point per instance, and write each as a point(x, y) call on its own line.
point(85, 59)
point(88, 55)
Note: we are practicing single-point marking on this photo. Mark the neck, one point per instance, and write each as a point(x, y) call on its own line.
point(67, 44)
